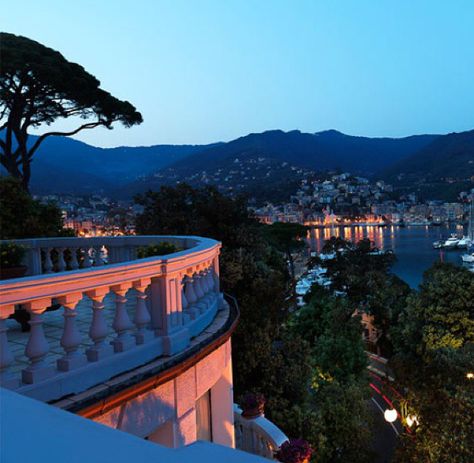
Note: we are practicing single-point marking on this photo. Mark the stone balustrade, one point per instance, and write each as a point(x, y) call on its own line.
point(114, 312)
point(257, 435)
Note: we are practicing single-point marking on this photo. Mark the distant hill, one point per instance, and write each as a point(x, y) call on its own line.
point(439, 170)
point(239, 162)
point(318, 151)
point(268, 164)
point(69, 166)
point(448, 156)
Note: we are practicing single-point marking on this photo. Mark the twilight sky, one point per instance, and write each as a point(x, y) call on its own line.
point(209, 70)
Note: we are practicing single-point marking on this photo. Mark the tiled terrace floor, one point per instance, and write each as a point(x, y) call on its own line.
point(53, 322)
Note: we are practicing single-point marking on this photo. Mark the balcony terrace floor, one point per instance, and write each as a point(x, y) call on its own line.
point(53, 325)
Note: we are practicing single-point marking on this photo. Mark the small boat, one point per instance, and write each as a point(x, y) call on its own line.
point(464, 242)
point(468, 258)
point(451, 242)
point(438, 244)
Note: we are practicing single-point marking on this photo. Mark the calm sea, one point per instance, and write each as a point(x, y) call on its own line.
point(413, 245)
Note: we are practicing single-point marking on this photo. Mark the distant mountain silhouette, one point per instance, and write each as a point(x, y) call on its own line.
point(319, 151)
point(448, 156)
point(257, 160)
point(70, 166)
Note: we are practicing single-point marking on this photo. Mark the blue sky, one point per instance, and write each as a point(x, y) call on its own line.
point(209, 70)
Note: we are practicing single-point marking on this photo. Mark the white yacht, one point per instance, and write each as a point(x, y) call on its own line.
point(464, 242)
point(451, 242)
point(468, 258)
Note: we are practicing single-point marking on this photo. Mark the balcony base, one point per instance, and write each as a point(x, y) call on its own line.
point(97, 353)
point(36, 374)
point(72, 362)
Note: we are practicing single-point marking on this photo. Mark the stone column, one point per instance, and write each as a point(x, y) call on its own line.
point(122, 324)
point(37, 347)
point(142, 316)
point(98, 330)
point(166, 312)
point(71, 338)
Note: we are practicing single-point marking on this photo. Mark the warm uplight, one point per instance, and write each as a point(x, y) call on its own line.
point(470, 375)
point(390, 415)
point(411, 420)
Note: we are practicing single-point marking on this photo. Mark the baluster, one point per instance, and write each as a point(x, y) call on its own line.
point(210, 279)
point(48, 263)
point(198, 289)
point(7, 379)
point(74, 263)
point(122, 324)
point(97, 256)
point(37, 346)
point(87, 259)
point(215, 275)
point(61, 261)
point(197, 286)
point(190, 297)
point(71, 338)
point(205, 286)
point(189, 290)
point(98, 330)
point(142, 316)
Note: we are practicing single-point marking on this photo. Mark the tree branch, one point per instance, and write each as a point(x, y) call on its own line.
point(89, 125)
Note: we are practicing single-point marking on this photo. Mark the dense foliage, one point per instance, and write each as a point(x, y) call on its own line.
point(159, 249)
point(23, 217)
point(251, 270)
point(310, 365)
point(363, 273)
point(39, 86)
point(335, 417)
point(434, 344)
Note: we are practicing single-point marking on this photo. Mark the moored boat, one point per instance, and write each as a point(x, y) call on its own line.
point(451, 242)
point(468, 258)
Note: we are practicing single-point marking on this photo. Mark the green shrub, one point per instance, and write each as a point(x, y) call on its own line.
point(159, 249)
point(11, 254)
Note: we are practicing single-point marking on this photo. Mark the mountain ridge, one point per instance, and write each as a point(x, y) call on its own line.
point(247, 163)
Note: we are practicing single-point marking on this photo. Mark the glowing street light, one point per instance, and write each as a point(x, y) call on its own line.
point(390, 415)
point(470, 375)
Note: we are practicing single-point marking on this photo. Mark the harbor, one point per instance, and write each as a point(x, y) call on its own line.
point(412, 245)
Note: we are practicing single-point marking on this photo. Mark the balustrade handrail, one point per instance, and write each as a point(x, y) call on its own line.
point(173, 297)
point(20, 290)
point(262, 429)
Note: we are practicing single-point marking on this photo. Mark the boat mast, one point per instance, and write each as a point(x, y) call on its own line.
point(470, 230)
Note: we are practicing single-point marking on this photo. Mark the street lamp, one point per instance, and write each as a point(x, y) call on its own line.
point(470, 375)
point(390, 415)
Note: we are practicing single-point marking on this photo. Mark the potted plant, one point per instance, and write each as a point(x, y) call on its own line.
point(11, 258)
point(294, 451)
point(253, 405)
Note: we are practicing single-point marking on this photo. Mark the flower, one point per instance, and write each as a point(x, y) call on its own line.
point(294, 451)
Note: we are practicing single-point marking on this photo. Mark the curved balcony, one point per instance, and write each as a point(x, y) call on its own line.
point(96, 311)
point(257, 435)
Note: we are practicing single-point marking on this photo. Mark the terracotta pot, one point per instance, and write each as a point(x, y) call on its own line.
point(12, 272)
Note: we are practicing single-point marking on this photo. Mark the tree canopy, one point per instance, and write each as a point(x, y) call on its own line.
point(23, 217)
point(39, 86)
point(434, 352)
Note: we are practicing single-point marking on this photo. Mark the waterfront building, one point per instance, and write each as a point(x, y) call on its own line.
point(92, 334)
